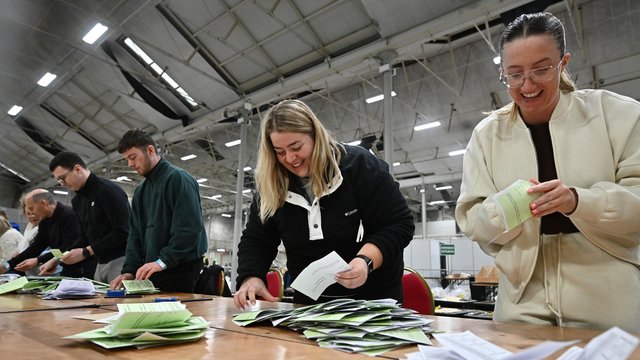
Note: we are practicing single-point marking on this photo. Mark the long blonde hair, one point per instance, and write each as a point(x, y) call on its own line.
point(4, 225)
point(272, 179)
point(542, 23)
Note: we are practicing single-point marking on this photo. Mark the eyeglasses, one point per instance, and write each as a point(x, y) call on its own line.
point(61, 179)
point(539, 75)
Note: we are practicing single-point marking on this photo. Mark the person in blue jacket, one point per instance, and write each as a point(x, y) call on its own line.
point(319, 196)
point(166, 232)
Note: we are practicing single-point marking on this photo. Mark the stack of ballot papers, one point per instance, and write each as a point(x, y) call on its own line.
point(612, 344)
point(71, 289)
point(367, 327)
point(45, 284)
point(147, 324)
point(132, 287)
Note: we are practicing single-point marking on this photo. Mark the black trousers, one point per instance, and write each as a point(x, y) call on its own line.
point(181, 278)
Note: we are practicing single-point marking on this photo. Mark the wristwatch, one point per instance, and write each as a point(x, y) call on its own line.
point(85, 252)
point(367, 260)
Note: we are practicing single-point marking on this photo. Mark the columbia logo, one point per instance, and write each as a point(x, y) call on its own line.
point(351, 212)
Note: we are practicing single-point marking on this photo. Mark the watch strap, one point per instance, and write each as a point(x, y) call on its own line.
point(86, 253)
point(367, 260)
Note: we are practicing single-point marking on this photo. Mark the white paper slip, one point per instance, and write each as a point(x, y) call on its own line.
point(614, 343)
point(319, 275)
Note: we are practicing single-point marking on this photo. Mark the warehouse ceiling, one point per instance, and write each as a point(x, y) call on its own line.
point(213, 62)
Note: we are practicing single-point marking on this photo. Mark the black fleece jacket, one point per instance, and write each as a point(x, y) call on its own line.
point(368, 193)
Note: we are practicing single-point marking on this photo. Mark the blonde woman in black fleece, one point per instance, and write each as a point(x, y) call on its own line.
point(319, 196)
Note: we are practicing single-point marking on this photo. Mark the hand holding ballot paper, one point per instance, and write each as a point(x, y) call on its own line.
point(513, 203)
point(319, 275)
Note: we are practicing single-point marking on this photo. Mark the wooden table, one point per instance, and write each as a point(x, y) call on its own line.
point(30, 302)
point(32, 334)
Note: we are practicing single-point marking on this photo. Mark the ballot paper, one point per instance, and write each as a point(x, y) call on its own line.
point(13, 285)
point(139, 287)
point(513, 203)
point(147, 324)
point(70, 289)
point(58, 254)
point(370, 327)
point(614, 343)
point(316, 277)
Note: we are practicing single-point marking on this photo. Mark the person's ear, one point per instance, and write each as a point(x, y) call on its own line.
point(565, 58)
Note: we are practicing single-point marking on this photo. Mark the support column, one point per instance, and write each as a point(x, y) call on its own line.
point(237, 220)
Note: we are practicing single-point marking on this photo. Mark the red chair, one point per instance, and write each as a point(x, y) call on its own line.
point(416, 293)
point(275, 283)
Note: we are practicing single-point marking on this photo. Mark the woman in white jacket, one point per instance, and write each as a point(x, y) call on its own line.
point(576, 261)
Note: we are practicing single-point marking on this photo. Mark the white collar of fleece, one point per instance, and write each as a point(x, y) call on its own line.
point(314, 219)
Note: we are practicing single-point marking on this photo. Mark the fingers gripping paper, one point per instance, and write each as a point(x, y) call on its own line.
point(319, 275)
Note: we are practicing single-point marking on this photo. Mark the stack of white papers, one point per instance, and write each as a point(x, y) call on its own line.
point(612, 344)
point(368, 327)
point(147, 324)
point(71, 289)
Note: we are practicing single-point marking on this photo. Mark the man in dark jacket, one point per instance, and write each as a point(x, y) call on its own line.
point(58, 229)
point(103, 211)
point(167, 237)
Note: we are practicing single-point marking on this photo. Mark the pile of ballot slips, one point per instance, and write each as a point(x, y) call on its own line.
point(370, 327)
point(147, 324)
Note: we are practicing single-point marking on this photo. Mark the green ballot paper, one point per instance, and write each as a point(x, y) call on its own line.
point(513, 203)
point(58, 254)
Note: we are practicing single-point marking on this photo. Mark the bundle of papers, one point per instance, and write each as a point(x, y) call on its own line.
point(513, 203)
point(147, 324)
point(368, 327)
point(132, 287)
point(45, 284)
point(71, 289)
point(612, 344)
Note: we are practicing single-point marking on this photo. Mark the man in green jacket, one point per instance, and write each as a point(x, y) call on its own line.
point(166, 233)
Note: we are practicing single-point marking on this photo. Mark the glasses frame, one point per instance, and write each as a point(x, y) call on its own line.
point(62, 178)
point(504, 78)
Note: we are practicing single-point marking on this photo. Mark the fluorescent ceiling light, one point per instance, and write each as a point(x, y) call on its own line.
point(15, 109)
point(444, 187)
point(146, 58)
point(221, 250)
point(247, 168)
point(155, 67)
point(201, 180)
point(422, 190)
point(47, 79)
point(123, 178)
point(60, 192)
point(170, 80)
point(214, 197)
point(233, 143)
point(355, 143)
point(226, 215)
point(496, 60)
point(397, 163)
point(437, 202)
point(427, 126)
point(376, 98)
point(246, 191)
point(188, 157)
point(186, 96)
point(456, 152)
point(15, 172)
point(95, 33)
